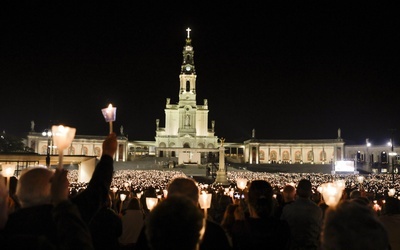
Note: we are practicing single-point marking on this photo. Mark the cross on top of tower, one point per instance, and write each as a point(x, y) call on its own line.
point(188, 32)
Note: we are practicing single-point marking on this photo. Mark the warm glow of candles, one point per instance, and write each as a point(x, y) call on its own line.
point(205, 200)
point(165, 193)
point(8, 170)
point(341, 184)
point(114, 189)
point(332, 192)
point(151, 202)
point(62, 137)
point(110, 114)
point(241, 183)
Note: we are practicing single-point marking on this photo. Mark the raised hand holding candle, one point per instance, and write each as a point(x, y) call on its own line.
point(110, 114)
point(62, 137)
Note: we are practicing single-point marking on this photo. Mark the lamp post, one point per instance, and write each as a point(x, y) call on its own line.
point(367, 158)
point(48, 133)
point(392, 155)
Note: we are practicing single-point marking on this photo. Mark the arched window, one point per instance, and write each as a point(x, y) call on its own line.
point(322, 156)
point(297, 156)
point(310, 156)
point(97, 151)
point(84, 150)
point(285, 156)
point(273, 155)
point(71, 150)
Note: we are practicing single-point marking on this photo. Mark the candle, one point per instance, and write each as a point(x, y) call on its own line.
point(332, 192)
point(110, 114)
point(62, 137)
point(205, 201)
point(241, 183)
point(151, 202)
point(8, 171)
point(122, 198)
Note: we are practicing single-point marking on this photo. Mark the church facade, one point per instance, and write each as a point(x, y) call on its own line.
point(186, 134)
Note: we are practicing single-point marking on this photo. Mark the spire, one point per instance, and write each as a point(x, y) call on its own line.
point(188, 54)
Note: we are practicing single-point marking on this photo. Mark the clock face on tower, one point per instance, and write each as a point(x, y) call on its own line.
point(187, 68)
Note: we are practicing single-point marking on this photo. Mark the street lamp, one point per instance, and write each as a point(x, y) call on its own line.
point(392, 154)
point(367, 160)
point(48, 133)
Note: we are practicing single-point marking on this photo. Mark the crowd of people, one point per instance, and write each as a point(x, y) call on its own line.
point(51, 210)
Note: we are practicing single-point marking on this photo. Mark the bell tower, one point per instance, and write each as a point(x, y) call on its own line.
point(186, 132)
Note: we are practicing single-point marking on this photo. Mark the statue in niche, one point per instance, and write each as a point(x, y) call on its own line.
point(121, 130)
point(187, 120)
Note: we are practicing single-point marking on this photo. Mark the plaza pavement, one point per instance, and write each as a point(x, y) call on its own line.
point(199, 171)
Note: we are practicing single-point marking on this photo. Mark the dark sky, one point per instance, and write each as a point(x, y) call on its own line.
point(288, 69)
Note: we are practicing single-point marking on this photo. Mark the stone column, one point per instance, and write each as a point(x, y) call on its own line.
point(221, 173)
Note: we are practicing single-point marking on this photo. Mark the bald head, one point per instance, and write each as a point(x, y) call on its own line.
point(33, 187)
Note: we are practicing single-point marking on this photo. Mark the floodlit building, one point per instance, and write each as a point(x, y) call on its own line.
point(189, 137)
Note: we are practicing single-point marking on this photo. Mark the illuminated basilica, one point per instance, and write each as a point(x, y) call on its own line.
point(189, 137)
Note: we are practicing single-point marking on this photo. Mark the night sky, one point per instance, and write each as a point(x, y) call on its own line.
point(288, 69)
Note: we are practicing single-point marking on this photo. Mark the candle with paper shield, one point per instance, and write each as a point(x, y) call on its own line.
point(331, 192)
point(8, 171)
point(151, 202)
point(110, 114)
point(62, 137)
point(205, 201)
point(241, 183)
point(122, 198)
